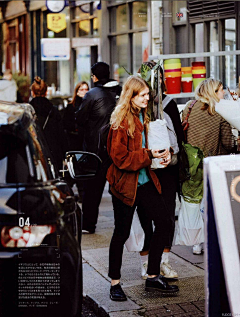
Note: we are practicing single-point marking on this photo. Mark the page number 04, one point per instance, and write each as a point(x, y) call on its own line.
point(23, 222)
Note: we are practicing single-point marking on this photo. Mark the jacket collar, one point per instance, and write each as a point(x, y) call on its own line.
point(108, 83)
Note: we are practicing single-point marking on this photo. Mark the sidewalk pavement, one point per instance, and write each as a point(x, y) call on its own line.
point(96, 283)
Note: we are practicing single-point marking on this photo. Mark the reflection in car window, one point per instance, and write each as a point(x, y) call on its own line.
point(23, 159)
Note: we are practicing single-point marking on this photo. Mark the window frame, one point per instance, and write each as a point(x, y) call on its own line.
point(206, 44)
point(129, 32)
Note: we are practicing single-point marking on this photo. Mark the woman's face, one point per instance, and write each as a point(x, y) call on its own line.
point(82, 90)
point(141, 100)
point(220, 93)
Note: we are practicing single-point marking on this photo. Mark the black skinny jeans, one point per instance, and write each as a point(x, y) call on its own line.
point(168, 180)
point(148, 199)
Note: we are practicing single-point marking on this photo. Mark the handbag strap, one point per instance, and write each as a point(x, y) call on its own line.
point(46, 121)
point(185, 123)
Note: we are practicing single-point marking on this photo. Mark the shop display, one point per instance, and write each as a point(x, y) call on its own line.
point(172, 72)
point(183, 79)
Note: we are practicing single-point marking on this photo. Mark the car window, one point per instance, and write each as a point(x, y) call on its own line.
point(24, 157)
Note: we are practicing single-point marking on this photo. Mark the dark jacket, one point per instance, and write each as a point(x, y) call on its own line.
point(128, 158)
point(53, 131)
point(172, 110)
point(95, 111)
point(74, 133)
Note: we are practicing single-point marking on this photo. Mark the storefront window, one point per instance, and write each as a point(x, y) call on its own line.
point(95, 26)
point(83, 65)
point(199, 40)
point(140, 50)
point(139, 14)
point(79, 14)
point(214, 47)
point(84, 28)
point(128, 50)
point(121, 18)
point(119, 50)
point(230, 45)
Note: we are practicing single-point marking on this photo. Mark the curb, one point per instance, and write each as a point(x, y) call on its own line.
point(94, 306)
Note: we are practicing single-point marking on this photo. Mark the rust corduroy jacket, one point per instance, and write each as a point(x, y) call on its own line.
point(128, 158)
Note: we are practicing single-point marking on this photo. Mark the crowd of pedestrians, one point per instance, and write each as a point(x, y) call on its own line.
point(122, 112)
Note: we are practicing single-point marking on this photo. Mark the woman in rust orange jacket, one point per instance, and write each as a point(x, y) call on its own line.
point(133, 185)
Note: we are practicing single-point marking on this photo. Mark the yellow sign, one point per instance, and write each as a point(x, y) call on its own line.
point(56, 22)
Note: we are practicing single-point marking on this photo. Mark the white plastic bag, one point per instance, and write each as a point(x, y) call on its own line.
point(230, 111)
point(190, 229)
point(135, 241)
point(158, 138)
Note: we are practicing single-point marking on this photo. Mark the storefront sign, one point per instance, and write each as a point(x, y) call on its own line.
point(56, 22)
point(55, 49)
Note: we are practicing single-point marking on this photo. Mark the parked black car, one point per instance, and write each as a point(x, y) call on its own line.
point(40, 221)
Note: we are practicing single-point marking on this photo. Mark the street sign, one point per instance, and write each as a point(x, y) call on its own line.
point(56, 22)
point(57, 49)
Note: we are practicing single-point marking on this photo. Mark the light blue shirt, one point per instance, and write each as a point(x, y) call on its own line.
point(143, 177)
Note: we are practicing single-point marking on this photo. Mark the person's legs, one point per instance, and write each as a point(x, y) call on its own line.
point(147, 226)
point(123, 216)
point(168, 180)
point(93, 190)
point(151, 203)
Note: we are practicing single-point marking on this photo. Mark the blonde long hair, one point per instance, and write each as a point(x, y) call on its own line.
point(206, 92)
point(125, 108)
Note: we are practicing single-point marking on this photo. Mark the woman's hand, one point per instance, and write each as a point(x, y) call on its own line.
point(165, 156)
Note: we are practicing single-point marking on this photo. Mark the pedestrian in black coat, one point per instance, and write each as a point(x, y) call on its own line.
point(93, 114)
point(49, 121)
point(74, 133)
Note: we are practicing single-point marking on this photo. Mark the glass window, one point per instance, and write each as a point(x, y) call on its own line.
point(95, 26)
point(140, 49)
point(121, 18)
point(139, 14)
point(84, 28)
point(83, 65)
point(230, 60)
point(214, 47)
point(25, 163)
point(119, 51)
point(199, 38)
point(79, 14)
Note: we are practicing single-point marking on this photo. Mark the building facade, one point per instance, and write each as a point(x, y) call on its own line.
point(204, 26)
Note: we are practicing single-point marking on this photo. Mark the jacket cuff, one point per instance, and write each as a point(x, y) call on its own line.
point(150, 154)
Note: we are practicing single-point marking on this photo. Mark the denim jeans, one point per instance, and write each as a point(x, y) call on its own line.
point(150, 203)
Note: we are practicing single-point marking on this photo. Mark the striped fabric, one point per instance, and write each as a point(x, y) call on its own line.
point(211, 133)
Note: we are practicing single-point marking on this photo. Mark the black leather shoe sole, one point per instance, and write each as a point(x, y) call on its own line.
point(163, 291)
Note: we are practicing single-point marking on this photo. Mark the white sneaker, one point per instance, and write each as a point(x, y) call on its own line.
point(167, 271)
point(144, 267)
point(197, 249)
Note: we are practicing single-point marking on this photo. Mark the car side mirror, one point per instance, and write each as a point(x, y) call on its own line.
point(82, 165)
